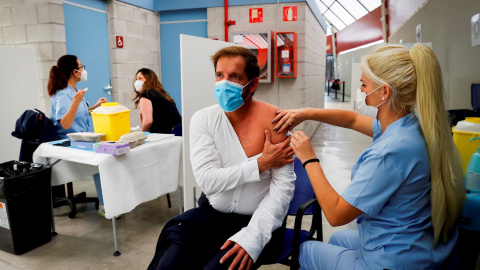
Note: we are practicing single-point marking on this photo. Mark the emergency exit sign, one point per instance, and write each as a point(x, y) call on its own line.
point(256, 15)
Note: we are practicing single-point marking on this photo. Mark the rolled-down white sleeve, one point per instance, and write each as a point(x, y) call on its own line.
point(206, 162)
point(270, 213)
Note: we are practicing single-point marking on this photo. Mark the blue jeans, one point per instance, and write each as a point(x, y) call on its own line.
point(98, 187)
point(339, 253)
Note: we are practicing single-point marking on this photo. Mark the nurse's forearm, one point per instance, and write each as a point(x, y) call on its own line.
point(336, 117)
point(337, 211)
point(68, 119)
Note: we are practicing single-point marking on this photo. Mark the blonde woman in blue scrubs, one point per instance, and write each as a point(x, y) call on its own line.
point(69, 110)
point(406, 191)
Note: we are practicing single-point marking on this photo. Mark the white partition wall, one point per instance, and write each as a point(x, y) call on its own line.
point(198, 82)
point(19, 92)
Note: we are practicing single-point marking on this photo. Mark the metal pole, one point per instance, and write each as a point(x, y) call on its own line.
point(115, 242)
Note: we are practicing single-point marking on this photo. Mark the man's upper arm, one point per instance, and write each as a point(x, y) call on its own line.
point(276, 138)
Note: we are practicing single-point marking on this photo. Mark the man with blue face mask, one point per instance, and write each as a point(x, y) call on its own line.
point(245, 171)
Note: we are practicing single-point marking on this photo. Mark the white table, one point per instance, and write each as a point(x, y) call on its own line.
point(147, 172)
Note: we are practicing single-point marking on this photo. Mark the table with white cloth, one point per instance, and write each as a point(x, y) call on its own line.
point(146, 172)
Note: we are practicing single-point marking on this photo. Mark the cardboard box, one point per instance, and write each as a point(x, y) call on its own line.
point(91, 146)
point(113, 148)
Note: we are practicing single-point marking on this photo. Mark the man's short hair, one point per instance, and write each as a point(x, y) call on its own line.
point(251, 62)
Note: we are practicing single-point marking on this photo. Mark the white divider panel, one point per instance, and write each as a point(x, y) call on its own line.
point(19, 92)
point(198, 83)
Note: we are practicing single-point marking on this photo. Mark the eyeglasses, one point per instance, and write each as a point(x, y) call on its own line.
point(81, 67)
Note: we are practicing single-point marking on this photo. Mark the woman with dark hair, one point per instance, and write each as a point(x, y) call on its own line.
point(158, 112)
point(69, 110)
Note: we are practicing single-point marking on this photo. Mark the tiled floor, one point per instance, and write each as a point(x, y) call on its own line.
point(86, 242)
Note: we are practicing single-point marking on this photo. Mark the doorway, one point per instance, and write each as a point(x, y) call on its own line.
point(86, 30)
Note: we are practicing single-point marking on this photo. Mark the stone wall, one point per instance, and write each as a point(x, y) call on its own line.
point(307, 89)
point(140, 29)
point(35, 24)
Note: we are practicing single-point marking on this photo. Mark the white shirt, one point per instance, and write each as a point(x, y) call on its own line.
point(231, 180)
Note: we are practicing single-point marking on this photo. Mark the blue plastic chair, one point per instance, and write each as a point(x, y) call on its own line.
point(303, 203)
point(177, 130)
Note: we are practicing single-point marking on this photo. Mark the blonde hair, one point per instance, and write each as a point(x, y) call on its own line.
point(415, 78)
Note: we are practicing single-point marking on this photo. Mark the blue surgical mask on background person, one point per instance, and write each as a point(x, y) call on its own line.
point(83, 76)
point(360, 103)
point(138, 85)
point(229, 95)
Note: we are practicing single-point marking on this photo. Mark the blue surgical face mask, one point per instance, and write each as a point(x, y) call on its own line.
point(229, 95)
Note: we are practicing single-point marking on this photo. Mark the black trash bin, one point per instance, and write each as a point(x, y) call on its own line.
point(25, 206)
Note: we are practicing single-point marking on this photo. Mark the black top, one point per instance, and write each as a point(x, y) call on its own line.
point(165, 113)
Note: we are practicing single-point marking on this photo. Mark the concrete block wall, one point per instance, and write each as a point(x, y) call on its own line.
point(315, 62)
point(140, 29)
point(287, 93)
point(35, 24)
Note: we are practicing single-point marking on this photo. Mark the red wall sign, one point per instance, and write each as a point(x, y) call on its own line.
point(256, 15)
point(289, 13)
point(119, 41)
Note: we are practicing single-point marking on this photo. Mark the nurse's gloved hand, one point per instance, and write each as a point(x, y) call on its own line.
point(302, 146)
point(288, 119)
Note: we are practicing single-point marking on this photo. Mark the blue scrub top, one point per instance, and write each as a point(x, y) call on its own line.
point(391, 186)
point(59, 106)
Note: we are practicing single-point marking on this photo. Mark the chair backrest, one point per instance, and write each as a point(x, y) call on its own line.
point(177, 130)
point(475, 91)
point(303, 190)
point(33, 128)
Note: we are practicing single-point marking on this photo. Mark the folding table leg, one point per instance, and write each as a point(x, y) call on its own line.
point(54, 233)
point(115, 242)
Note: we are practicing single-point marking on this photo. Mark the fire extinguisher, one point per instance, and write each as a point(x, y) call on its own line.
point(287, 58)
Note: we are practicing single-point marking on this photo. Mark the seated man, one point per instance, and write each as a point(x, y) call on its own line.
point(246, 175)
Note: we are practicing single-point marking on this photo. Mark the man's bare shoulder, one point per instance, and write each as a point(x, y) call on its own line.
point(266, 113)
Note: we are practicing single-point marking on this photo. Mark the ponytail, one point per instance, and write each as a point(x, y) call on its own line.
point(447, 192)
point(60, 73)
point(56, 81)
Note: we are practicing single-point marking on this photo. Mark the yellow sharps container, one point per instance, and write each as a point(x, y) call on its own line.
point(112, 119)
point(462, 133)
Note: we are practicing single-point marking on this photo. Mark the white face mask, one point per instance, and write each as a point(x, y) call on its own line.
point(360, 103)
point(83, 76)
point(138, 85)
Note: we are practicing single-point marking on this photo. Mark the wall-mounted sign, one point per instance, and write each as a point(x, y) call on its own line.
point(476, 30)
point(256, 15)
point(418, 33)
point(119, 41)
point(289, 13)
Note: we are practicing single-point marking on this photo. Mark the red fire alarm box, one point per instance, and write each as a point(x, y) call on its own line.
point(119, 41)
point(256, 15)
point(286, 54)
